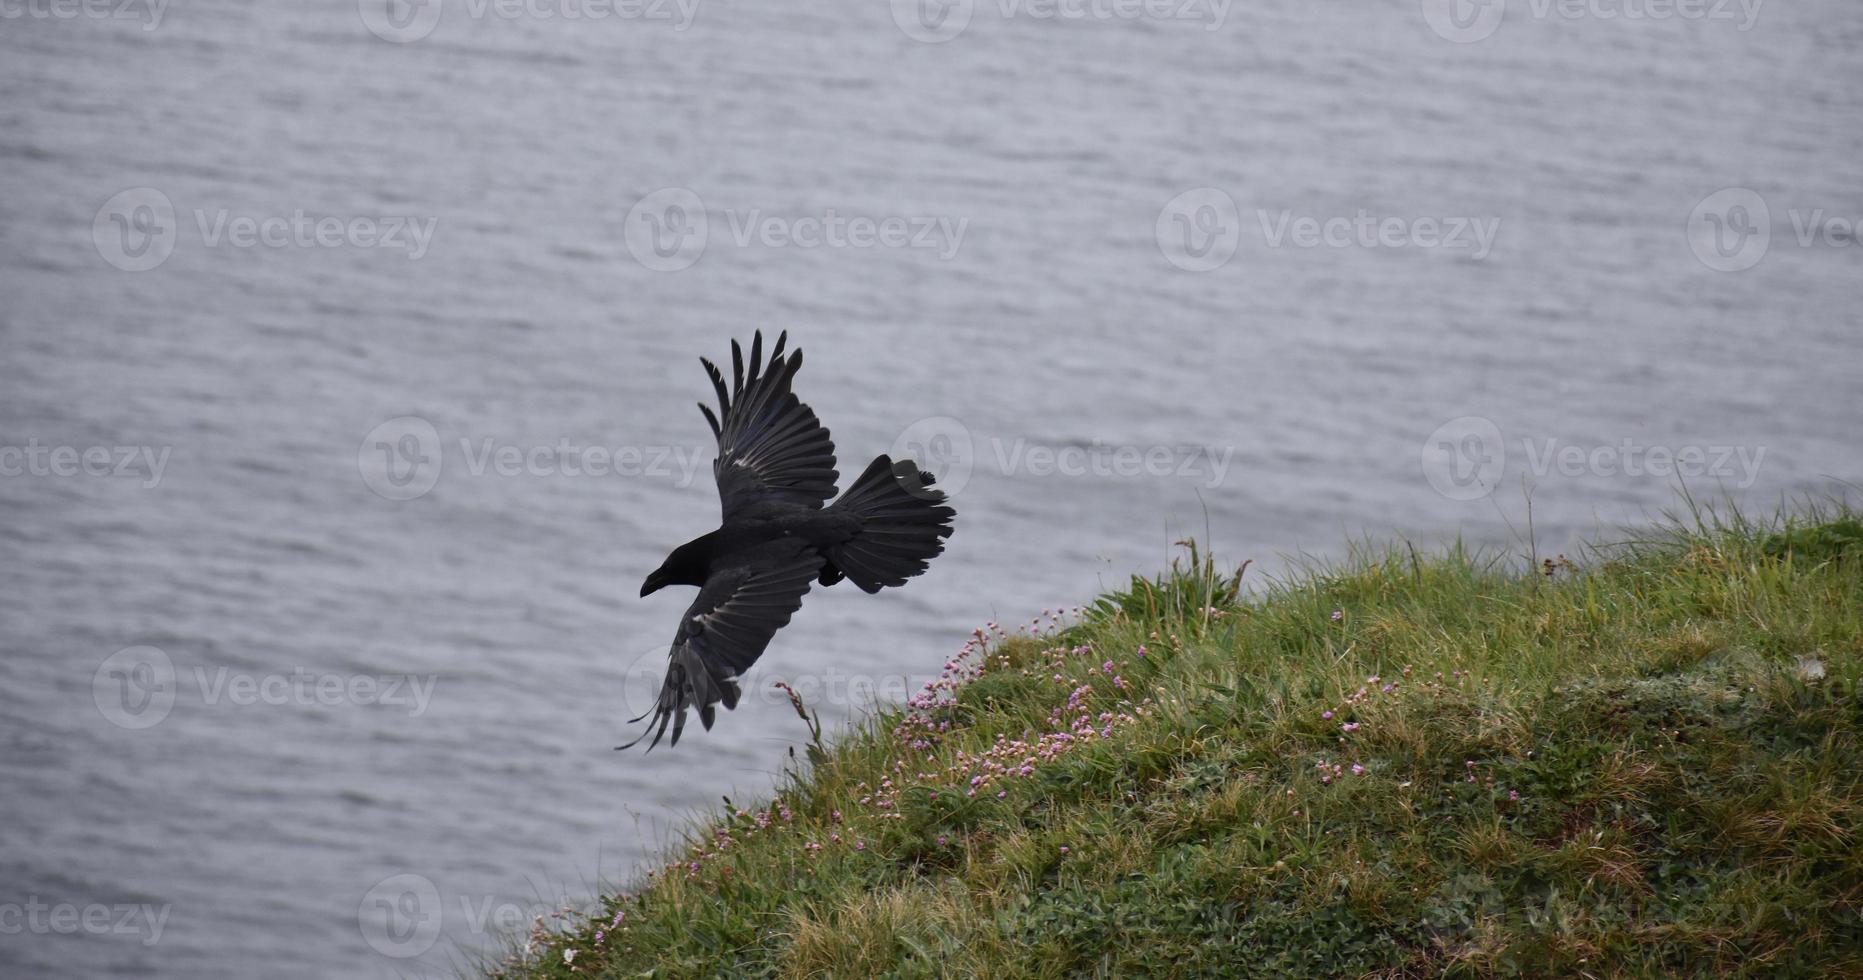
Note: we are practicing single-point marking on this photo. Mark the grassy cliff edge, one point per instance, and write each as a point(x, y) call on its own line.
point(1645, 761)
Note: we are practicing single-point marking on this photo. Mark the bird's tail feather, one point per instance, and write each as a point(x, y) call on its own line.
point(903, 525)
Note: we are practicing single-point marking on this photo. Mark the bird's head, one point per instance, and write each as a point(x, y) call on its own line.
point(685, 566)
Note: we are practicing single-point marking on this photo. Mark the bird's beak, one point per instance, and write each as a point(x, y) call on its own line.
point(654, 583)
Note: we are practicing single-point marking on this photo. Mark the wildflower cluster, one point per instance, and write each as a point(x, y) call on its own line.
point(547, 931)
point(930, 713)
point(1078, 720)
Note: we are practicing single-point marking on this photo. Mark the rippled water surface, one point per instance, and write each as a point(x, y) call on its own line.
point(391, 720)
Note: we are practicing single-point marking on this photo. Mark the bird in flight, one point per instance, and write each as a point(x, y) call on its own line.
point(775, 471)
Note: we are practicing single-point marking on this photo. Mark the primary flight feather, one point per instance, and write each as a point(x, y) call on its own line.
point(775, 470)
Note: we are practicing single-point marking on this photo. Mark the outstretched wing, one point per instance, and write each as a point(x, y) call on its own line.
point(771, 448)
point(739, 608)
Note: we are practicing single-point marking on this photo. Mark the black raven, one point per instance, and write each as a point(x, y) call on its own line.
point(775, 470)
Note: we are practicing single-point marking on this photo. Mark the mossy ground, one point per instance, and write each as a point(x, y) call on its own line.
point(1644, 762)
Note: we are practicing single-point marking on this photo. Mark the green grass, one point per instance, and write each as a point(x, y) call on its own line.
point(1641, 762)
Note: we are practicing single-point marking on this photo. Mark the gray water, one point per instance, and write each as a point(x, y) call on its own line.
point(1082, 315)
